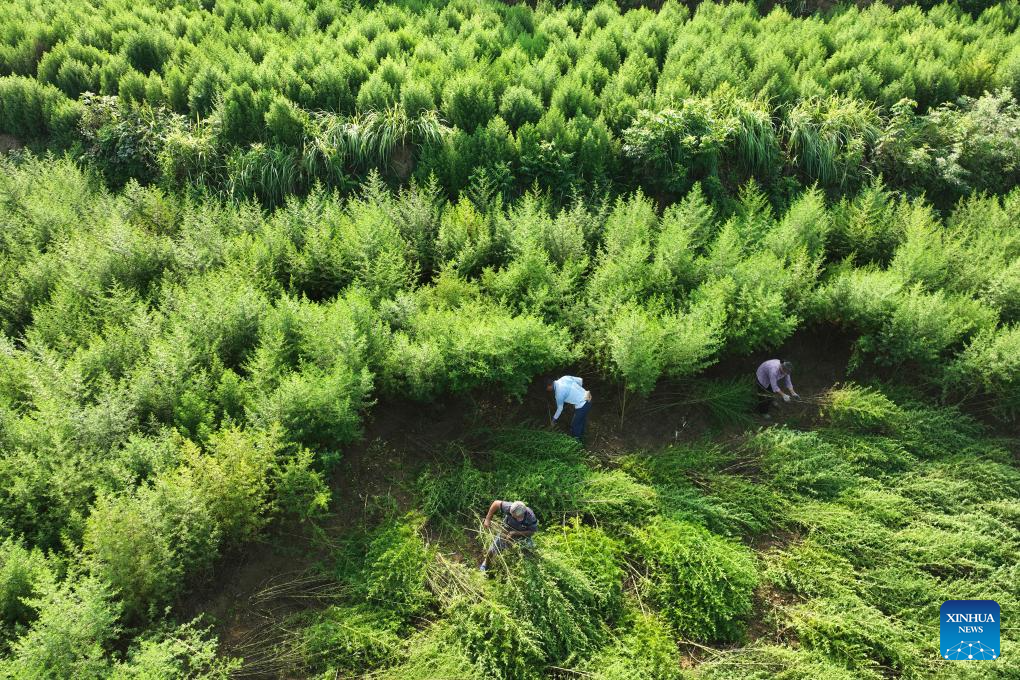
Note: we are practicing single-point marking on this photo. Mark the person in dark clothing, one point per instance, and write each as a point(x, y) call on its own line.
point(769, 375)
point(520, 525)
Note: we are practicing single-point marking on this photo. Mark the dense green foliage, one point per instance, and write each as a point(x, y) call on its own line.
point(265, 99)
point(177, 373)
point(262, 217)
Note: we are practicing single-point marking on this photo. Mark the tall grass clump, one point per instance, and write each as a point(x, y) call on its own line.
point(830, 138)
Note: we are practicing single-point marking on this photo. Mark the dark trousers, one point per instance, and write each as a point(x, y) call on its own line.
point(579, 420)
point(764, 398)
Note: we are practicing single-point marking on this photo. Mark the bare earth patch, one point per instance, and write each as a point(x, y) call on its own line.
point(9, 143)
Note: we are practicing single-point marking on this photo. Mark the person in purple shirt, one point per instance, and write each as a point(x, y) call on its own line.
point(519, 524)
point(769, 375)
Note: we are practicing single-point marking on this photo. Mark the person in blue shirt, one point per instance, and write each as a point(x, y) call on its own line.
point(569, 390)
point(519, 522)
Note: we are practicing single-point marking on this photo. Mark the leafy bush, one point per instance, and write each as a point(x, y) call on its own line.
point(186, 651)
point(318, 408)
point(468, 101)
point(24, 575)
point(301, 490)
point(702, 583)
point(519, 105)
point(76, 623)
point(678, 146)
point(285, 123)
point(457, 349)
point(499, 644)
point(803, 462)
point(149, 543)
point(989, 366)
point(614, 498)
point(397, 568)
point(27, 107)
point(233, 478)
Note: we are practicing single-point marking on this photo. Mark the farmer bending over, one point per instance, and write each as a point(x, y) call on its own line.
point(769, 375)
point(519, 523)
point(568, 390)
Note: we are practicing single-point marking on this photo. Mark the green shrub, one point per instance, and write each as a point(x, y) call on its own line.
point(180, 653)
point(234, 479)
point(468, 101)
point(615, 498)
point(810, 570)
point(301, 490)
point(635, 349)
point(519, 105)
point(24, 575)
point(242, 115)
point(27, 106)
point(453, 350)
point(701, 583)
point(498, 643)
point(150, 543)
point(551, 487)
point(285, 122)
point(147, 50)
point(850, 534)
point(318, 408)
point(645, 651)
point(866, 226)
point(990, 367)
point(76, 623)
point(676, 147)
point(396, 568)
point(434, 654)
point(570, 592)
point(465, 241)
point(452, 490)
point(924, 327)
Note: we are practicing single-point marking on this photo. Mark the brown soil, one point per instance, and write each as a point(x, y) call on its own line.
point(9, 143)
point(400, 438)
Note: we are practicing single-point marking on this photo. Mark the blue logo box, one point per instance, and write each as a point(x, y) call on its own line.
point(969, 630)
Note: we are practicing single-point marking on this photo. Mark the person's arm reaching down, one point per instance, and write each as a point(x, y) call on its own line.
point(561, 395)
point(774, 377)
point(789, 385)
point(493, 507)
point(774, 381)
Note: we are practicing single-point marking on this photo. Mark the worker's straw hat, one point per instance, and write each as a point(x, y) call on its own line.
point(517, 509)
